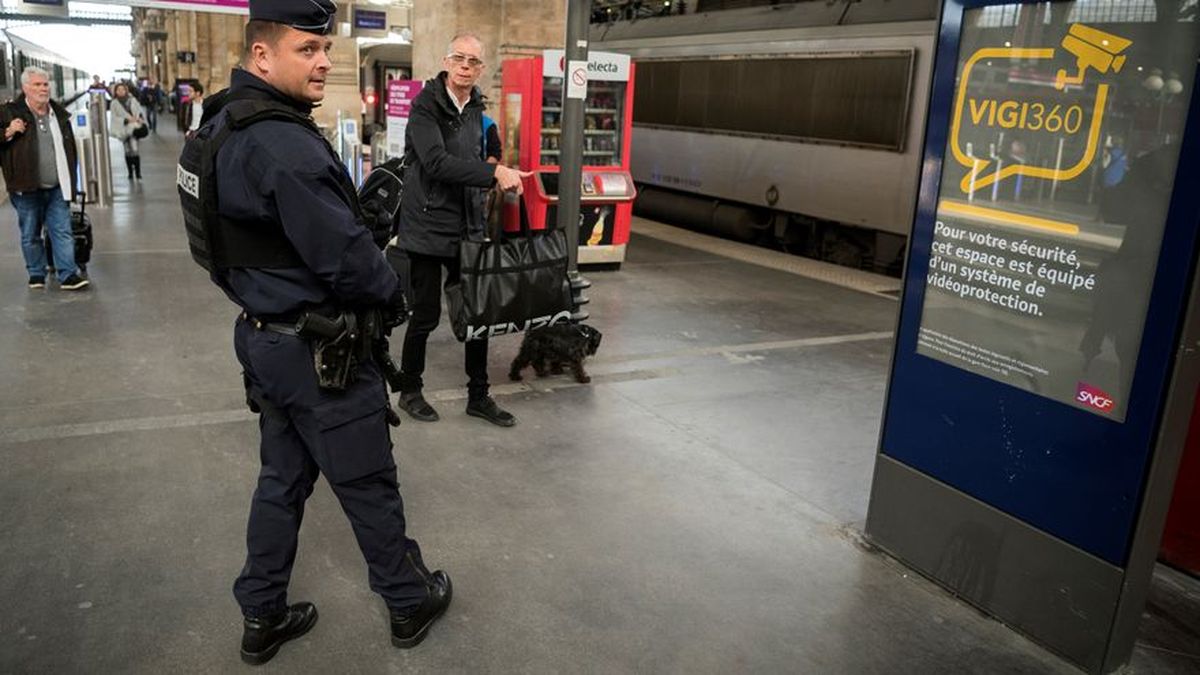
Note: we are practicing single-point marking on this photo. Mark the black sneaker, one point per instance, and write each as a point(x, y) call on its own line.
point(487, 409)
point(262, 637)
point(74, 283)
point(37, 282)
point(418, 408)
point(410, 628)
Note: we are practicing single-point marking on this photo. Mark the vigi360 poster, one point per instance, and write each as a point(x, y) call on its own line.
point(1054, 193)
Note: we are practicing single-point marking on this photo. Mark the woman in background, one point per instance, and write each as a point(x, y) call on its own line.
point(127, 119)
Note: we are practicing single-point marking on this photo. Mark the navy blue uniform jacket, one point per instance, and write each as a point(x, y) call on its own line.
point(280, 171)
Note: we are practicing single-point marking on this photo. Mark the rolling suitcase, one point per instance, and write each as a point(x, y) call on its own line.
point(81, 232)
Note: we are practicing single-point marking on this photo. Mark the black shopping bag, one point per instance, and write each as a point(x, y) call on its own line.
point(510, 285)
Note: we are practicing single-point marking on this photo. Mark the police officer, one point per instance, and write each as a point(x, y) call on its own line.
point(279, 184)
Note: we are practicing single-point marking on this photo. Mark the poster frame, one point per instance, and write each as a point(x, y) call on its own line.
point(924, 391)
point(1080, 596)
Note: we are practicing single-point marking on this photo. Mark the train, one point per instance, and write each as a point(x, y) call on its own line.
point(796, 126)
point(66, 81)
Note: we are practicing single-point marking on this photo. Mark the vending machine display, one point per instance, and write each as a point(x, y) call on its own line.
point(531, 123)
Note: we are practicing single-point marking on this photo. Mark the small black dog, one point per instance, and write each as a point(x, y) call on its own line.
point(549, 349)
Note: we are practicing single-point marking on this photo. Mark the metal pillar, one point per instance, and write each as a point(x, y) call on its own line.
point(100, 189)
point(570, 178)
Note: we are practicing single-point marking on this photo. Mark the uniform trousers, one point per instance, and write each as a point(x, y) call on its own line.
point(306, 432)
point(425, 276)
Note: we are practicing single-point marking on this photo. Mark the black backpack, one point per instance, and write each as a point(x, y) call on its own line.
point(379, 197)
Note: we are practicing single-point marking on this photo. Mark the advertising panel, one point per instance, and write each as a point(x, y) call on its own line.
point(400, 95)
point(1055, 188)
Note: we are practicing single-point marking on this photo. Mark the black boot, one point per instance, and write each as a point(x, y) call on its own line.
point(417, 407)
point(137, 166)
point(409, 628)
point(129, 166)
point(485, 407)
point(262, 637)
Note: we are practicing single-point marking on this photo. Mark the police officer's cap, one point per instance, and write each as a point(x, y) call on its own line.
point(313, 16)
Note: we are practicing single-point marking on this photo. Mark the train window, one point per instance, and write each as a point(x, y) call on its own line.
point(853, 99)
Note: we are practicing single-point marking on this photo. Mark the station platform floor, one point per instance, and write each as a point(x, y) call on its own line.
point(696, 509)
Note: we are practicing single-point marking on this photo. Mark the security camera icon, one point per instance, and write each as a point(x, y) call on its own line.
point(1092, 49)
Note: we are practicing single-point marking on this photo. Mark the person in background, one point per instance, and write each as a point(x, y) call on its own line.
point(446, 178)
point(152, 97)
point(127, 118)
point(98, 86)
point(1016, 154)
point(1114, 161)
point(37, 155)
point(182, 97)
point(492, 148)
point(197, 108)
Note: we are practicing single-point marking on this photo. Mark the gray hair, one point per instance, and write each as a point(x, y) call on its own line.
point(30, 71)
point(466, 35)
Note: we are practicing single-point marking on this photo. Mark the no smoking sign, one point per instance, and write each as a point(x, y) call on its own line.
point(577, 79)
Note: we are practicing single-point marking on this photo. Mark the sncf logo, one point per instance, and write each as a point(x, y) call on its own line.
point(1094, 398)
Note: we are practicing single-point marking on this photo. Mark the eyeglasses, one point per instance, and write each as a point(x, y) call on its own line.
point(459, 59)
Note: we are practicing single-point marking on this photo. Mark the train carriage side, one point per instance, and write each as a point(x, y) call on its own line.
point(806, 139)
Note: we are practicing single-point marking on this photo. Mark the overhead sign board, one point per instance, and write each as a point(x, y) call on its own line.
point(220, 6)
point(43, 7)
point(601, 66)
point(370, 19)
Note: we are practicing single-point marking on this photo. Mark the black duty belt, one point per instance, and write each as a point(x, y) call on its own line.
point(272, 326)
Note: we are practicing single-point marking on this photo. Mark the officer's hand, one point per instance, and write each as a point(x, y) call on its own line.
point(379, 223)
point(17, 126)
point(396, 311)
point(511, 180)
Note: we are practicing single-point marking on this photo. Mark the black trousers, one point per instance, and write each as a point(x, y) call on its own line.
point(425, 274)
point(307, 431)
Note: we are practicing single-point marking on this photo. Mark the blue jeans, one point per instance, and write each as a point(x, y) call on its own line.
point(45, 207)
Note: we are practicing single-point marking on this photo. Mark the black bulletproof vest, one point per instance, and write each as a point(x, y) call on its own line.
point(217, 242)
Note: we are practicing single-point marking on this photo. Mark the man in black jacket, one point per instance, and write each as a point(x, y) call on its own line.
point(445, 187)
point(37, 153)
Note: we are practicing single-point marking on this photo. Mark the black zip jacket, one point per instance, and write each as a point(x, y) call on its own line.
point(446, 179)
point(18, 156)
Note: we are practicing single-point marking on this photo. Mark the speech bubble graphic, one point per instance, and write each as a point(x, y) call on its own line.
point(1093, 49)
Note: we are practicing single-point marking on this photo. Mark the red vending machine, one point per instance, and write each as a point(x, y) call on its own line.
point(531, 128)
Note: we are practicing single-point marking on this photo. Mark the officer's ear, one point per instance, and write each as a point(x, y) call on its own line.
point(262, 38)
point(259, 57)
